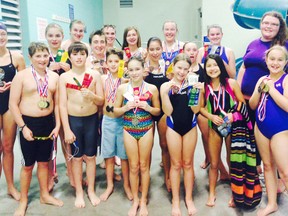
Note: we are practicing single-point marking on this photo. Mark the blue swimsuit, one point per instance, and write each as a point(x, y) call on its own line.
point(270, 118)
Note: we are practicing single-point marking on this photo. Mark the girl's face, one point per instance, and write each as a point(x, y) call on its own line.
point(113, 63)
point(269, 27)
point(132, 37)
point(98, 44)
point(155, 51)
point(276, 61)
point(78, 59)
point(212, 69)
point(191, 50)
point(170, 31)
point(110, 35)
point(215, 36)
point(180, 70)
point(3, 38)
point(40, 60)
point(135, 70)
point(77, 32)
point(54, 38)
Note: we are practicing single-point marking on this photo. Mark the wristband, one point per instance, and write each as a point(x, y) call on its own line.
point(22, 127)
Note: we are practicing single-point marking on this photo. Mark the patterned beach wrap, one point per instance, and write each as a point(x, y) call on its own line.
point(245, 185)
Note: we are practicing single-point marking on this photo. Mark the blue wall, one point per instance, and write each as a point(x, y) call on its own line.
point(89, 11)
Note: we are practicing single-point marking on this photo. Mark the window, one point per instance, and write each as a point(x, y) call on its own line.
point(126, 3)
point(10, 15)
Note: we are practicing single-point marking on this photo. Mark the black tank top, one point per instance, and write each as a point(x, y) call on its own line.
point(10, 72)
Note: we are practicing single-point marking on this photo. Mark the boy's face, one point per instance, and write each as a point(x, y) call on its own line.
point(40, 60)
point(78, 59)
point(113, 63)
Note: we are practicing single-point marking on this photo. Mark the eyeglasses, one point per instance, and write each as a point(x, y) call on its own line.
point(274, 25)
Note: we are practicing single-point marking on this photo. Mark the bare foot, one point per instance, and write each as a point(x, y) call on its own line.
point(168, 185)
point(93, 198)
point(14, 193)
point(106, 194)
point(176, 209)
point(231, 203)
point(128, 192)
point(267, 210)
point(133, 210)
point(79, 201)
point(50, 200)
point(21, 210)
point(191, 207)
point(205, 164)
point(117, 177)
point(211, 201)
point(143, 209)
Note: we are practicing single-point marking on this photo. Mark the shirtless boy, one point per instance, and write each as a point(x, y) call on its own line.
point(80, 95)
point(34, 105)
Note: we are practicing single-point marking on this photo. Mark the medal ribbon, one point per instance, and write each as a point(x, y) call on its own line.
point(85, 83)
point(216, 99)
point(111, 87)
point(262, 107)
point(42, 86)
point(139, 94)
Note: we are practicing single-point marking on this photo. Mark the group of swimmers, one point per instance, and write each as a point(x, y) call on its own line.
point(170, 85)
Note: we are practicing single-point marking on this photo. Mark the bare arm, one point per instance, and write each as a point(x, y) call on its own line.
point(166, 103)
point(119, 108)
point(241, 74)
point(254, 99)
point(155, 108)
point(20, 62)
point(55, 131)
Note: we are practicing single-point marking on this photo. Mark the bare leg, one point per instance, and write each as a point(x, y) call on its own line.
point(145, 148)
point(77, 176)
point(203, 126)
point(126, 184)
point(109, 164)
point(25, 180)
point(269, 172)
point(189, 145)
point(91, 173)
point(9, 134)
point(45, 197)
point(215, 143)
point(162, 127)
point(132, 150)
point(174, 141)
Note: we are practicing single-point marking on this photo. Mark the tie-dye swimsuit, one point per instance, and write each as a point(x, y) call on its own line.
point(144, 118)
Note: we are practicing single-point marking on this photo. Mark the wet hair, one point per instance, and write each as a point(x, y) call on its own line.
point(214, 26)
point(281, 36)
point(97, 32)
point(277, 47)
point(76, 22)
point(37, 46)
point(54, 25)
point(188, 42)
point(139, 59)
point(77, 47)
point(152, 39)
point(3, 26)
point(170, 21)
point(114, 51)
point(223, 72)
point(108, 26)
point(125, 43)
point(182, 57)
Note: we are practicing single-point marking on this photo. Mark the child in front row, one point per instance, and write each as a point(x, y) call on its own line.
point(80, 95)
point(221, 94)
point(112, 143)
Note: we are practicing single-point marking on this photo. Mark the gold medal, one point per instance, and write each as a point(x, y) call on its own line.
point(42, 104)
point(135, 121)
